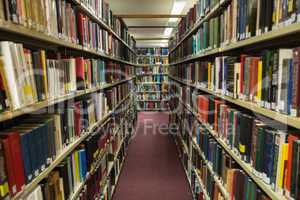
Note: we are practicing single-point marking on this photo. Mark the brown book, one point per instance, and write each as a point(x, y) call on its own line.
point(229, 182)
point(295, 105)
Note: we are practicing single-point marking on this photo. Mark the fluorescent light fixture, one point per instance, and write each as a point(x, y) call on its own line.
point(178, 7)
point(168, 31)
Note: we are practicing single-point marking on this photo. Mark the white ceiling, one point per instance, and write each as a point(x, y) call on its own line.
point(147, 7)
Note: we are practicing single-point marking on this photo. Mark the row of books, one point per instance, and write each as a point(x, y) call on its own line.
point(102, 11)
point(213, 172)
point(152, 96)
point(88, 165)
point(152, 78)
point(156, 51)
point(151, 70)
point(152, 60)
point(39, 139)
point(150, 88)
point(61, 18)
point(270, 79)
point(238, 20)
point(152, 105)
point(97, 187)
point(28, 76)
point(269, 148)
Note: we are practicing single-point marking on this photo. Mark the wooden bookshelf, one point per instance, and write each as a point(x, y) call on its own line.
point(245, 166)
point(285, 119)
point(20, 30)
point(65, 152)
point(206, 196)
point(271, 35)
point(7, 115)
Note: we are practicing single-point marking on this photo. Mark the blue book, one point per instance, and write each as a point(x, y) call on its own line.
point(24, 140)
point(83, 163)
point(269, 150)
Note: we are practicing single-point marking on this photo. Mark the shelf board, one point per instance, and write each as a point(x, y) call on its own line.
point(271, 35)
point(9, 27)
point(7, 115)
point(285, 119)
point(206, 196)
point(200, 21)
point(245, 166)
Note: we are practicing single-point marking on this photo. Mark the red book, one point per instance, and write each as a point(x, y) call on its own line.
point(203, 108)
point(14, 161)
point(243, 56)
point(80, 27)
point(80, 73)
point(77, 122)
point(291, 139)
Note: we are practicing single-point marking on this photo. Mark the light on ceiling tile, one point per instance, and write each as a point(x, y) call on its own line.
point(168, 31)
point(178, 7)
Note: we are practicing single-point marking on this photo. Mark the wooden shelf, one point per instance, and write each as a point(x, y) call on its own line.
point(271, 35)
point(285, 119)
point(200, 21)
point(9, 27)
point(7, 115)
point(245, 166)
point(66, 151)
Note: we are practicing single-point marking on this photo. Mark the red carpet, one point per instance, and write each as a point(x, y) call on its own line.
point(152, 169)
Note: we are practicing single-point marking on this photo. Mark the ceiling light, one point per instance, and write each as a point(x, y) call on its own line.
point(168, 31)
point(178, 7)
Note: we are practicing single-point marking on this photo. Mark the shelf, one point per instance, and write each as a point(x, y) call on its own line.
point(245, 166)
point(29, 187)
point(210, 168)
point(206, 196)
point(101, 22)
point(151, 65)
point(148, 83)
point(32, 185)
point(9, 27)
point(7, 115)
point(150, 92)
point(154, 74)
point(92, 171)
point(151, 100)
point(285, 119)
point(152, 55)
point(200, 21)
point(271, 35)
point(152, 109)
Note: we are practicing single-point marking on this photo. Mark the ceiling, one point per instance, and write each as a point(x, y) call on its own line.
point(148, 7)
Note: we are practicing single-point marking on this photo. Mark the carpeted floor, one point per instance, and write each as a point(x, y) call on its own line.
point(152, 170)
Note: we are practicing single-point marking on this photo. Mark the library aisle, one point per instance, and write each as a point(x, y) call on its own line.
point(152, 169)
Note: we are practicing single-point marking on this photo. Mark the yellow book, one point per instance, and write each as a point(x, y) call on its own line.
point(259, 81)
point(76, 157)
point(209, 76)
point(283, 156)
point(44, 67)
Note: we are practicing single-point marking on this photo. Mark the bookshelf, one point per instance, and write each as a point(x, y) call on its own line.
point(285, 119)
point(97, 101)
point(152, 56)
point(151, 87)
point(214, 47)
